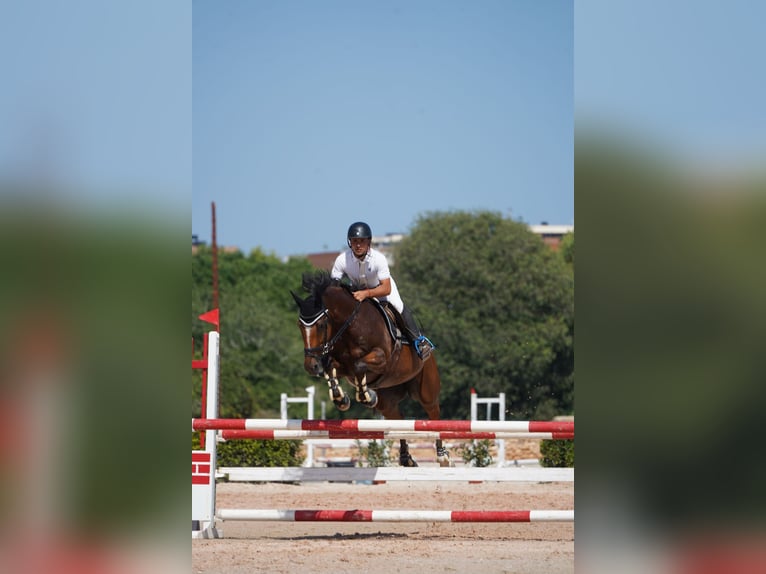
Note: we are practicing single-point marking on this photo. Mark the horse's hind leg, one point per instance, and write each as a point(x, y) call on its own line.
point(388, 405)
point(442, 454)
point(405, 458)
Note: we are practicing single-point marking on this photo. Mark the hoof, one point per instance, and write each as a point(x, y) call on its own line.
point(442, 457)
point(368, 399)
point(344, 404)
point(407, 461)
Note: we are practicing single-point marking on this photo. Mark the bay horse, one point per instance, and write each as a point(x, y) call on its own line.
point(343, 337)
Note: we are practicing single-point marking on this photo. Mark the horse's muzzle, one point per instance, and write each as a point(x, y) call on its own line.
point(313, 366)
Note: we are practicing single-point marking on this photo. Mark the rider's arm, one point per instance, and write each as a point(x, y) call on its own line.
point(383, 289)
point(339, 267)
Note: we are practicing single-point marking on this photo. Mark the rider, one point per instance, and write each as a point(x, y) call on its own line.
point(367, 268)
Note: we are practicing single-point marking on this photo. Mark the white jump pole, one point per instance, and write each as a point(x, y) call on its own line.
point(393, 473)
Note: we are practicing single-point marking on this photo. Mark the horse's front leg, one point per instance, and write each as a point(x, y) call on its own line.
point(365, 395)
point(338, 397)
point(372, 362)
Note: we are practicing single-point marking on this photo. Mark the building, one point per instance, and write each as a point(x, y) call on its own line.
point(551, 235)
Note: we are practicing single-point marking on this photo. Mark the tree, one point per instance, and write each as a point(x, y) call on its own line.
point(498, 304)
point(567, 249)
point(261, 347)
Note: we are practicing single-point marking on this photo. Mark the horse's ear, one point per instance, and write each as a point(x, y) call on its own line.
point(298, 300)
point(307, 281)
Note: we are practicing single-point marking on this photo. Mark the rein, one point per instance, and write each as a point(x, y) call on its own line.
point(323, 350)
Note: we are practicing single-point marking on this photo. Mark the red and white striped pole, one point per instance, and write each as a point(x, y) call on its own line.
point(397, 515)
point(383, 425)
point(383, 435)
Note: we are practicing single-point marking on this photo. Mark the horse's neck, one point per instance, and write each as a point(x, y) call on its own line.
point(340, 302)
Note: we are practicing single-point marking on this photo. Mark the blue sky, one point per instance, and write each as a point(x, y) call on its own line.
point(308, 116)
point(688, 74)
point(96, 99)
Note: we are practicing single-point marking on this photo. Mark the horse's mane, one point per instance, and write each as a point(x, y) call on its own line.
point(315, 283)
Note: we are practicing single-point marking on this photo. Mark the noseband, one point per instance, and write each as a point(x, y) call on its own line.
point(321, 351)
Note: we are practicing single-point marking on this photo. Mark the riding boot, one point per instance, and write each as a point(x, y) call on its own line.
point(422, 345)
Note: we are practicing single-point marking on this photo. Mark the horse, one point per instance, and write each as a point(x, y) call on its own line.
point(362, 342)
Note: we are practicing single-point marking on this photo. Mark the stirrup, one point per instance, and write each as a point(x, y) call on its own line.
point(419, 341)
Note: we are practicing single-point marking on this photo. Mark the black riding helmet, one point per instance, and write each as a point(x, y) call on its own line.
point(358, 229)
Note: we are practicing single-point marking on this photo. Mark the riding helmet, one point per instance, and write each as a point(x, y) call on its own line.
point(359, 229)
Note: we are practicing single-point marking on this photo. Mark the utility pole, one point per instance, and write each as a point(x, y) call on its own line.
point(215, 265)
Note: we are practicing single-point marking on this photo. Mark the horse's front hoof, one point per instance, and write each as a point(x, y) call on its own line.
point(344, 404)
point(368, 398)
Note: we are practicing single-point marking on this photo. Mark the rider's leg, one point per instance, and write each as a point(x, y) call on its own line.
point(422, 345)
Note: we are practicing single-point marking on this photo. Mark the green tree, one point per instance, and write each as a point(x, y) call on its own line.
point(499, 305)
point(261, 347)
point(567, 249)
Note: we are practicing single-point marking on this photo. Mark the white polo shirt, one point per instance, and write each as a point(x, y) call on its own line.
point(367, 273)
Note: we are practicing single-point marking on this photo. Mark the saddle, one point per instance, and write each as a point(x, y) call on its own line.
point(393, 319)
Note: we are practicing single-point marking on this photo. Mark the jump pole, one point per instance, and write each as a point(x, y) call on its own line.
point(393, 473)
point(383, 425)
point(383, 435)
point(397, 515)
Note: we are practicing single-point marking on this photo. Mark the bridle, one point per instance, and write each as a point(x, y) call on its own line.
point(320, 352)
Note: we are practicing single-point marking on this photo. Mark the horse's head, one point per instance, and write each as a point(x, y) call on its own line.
point(314, 323)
